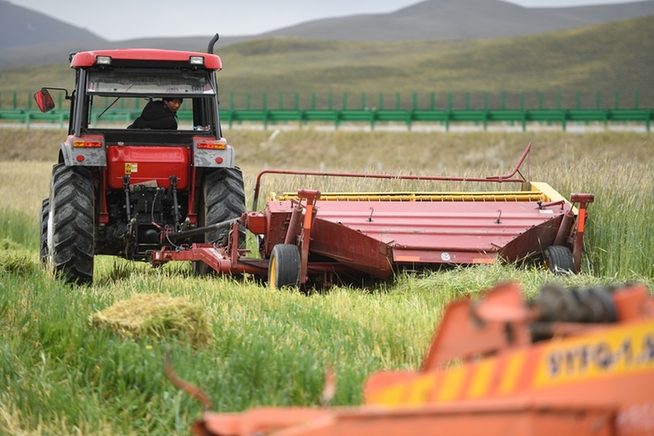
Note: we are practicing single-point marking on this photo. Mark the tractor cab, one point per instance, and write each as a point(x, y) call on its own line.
point(133, 181)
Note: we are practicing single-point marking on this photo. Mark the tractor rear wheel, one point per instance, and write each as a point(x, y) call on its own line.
point(559, 260)
point(70, 240)
point(223, 199)
point(284, 266)
point(45, 216)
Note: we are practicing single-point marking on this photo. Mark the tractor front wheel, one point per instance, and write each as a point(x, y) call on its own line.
point(559, 260)
point(284, 266)
point(70, 228)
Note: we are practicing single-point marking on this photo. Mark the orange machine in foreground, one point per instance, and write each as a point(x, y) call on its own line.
point(577, 362)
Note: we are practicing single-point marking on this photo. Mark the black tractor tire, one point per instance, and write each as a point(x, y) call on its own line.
point(284, 266)
point(223, 199)
point(70, 248)
point(559, 260)
point(45, 216)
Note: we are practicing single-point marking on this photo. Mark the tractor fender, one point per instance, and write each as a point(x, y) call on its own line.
point(213, 158)
point(84, 157)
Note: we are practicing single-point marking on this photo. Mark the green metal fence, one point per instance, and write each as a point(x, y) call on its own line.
point(444, 109)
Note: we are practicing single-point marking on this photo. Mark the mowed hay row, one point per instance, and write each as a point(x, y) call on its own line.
point(157, 317)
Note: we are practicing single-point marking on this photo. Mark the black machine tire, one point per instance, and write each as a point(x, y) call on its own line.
point(45, 216)
point(70, 243)
point(284, 266)
point(223, 199)
point(559, 260)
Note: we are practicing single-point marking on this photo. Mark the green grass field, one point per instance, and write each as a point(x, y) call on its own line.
point(61, 375)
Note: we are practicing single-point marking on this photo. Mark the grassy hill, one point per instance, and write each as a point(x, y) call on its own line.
point(608, 58)
point(462, 19)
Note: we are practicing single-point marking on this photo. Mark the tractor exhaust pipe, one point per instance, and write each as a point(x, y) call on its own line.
point(212, 43)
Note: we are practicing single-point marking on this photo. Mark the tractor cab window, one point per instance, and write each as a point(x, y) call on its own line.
point(117, 98)
point(182, 83)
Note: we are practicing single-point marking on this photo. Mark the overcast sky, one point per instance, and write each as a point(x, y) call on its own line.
point(117, 20)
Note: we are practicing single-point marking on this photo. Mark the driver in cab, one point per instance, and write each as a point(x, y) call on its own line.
point(158, 114)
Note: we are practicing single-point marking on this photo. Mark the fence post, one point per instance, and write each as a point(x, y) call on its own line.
point(449, 102)
point(598, 98)
point(61, 100)
point(522, 101)
point(415, 101)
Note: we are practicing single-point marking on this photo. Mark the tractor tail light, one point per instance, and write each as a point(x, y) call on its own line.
point(87, 143)
point(212, 145)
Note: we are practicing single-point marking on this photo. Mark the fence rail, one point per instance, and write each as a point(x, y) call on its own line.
point(370, 117)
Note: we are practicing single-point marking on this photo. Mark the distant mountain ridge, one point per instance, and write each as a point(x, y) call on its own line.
point(22, 27)
point(28, 37)
point(463, 19)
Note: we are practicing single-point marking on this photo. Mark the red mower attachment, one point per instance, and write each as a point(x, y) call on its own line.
point(316, 237)
point(574, 362)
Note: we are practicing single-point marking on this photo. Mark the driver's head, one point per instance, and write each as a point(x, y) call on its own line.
point(173, 103)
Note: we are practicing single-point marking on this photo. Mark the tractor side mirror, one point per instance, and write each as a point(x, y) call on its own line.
point(44, 100)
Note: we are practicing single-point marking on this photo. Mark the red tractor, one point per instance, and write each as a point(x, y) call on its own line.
point(123, 191)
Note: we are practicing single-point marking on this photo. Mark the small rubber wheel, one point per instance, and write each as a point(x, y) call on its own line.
point(558, 259)
point(284, 266)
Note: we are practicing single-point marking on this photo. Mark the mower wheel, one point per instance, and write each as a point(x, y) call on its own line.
point(45, 216)
point(71, 224)
point(559, 260)
point(284, 266)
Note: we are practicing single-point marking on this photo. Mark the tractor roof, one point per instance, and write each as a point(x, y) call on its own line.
point(90, 58)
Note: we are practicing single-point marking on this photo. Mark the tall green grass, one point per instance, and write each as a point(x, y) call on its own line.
point(618, 241)
point(59, 375)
